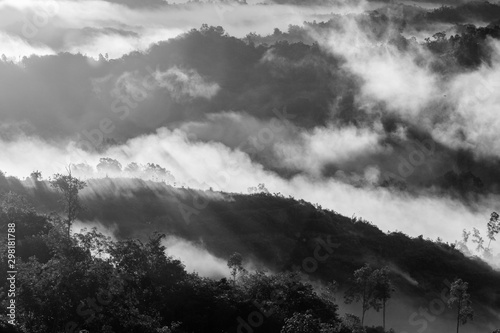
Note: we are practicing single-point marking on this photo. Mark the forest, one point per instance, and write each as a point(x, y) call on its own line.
point(74, 280)
point(235, 166)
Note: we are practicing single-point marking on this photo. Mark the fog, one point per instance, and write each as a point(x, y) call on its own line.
point(335, 104)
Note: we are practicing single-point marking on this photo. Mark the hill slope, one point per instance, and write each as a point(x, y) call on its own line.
point(276, 232)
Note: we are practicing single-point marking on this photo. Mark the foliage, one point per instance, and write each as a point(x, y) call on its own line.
point(460, 297)
point(351, 323)
point(263, 226)
point(91, 282)
point(383, 288)
point(107, 164)
point(69, 186)
point(363, 289)
point(493, 226)
point(235, 264)
point(36, 176)
point(301, 323)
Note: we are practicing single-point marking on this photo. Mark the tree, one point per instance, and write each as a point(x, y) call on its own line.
point(462, 245)
point(383, 288)
point(133, 168)
point(36, 176)
point(69, 186)
point(261, 188)
point(493, 227)
point(235, 264)
point(83, 169)
point(439, 36)
point(362, 290)
point(281, 295)
point(158, 173)
point(351, 323)
point(107, 164)
point(460, 297)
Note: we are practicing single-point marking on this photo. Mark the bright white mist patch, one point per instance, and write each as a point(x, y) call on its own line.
point(196, 258)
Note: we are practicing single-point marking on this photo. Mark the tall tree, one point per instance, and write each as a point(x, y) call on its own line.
point(493, 227)
point(460, 296)
point(69, 186)
point(235, 264)
point(383, 288)
point(362, 289)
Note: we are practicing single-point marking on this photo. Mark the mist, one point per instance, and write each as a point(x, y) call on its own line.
point(372, 111)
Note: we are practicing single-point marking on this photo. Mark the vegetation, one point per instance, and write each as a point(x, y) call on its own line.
point(131, 284)
point(71, 281)
point(372, 287)
point(460, 297)
point(69, 186)
point(383, 289)
point(235, 264)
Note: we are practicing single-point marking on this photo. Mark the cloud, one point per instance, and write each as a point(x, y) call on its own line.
point(196, 258)
point(312, 151)
point(201, 105)
point(181, 82)
point(92, 27)
point(474, 121)
point(214, 165)
point(14, 47)
point(458, 108)
point(401, 79)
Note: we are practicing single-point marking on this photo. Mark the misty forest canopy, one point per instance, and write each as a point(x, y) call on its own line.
point(178, 143)
point(141, 288)
point(218, 88)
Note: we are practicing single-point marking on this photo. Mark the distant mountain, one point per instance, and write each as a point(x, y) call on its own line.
point(482, 11)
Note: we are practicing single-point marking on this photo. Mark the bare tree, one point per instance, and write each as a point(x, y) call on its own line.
point(476, 238)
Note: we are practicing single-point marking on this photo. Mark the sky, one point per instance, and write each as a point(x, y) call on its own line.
point(329, 122)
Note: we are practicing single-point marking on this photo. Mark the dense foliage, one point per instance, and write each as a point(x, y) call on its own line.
point(91, 282)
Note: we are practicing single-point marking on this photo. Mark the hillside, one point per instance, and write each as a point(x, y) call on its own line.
point(275, 232)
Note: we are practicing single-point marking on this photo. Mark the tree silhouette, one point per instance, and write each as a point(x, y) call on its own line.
point(107, 164)
point(383, 288)
point(36, 176)
point(362, 290)
point(69, 186)
point(493, 227)
point(235, 264)
point(460, 297)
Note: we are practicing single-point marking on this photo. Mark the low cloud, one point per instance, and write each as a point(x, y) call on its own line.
point(217, 166)
point(196, 258)
point(312, 151)
point(181, 82)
